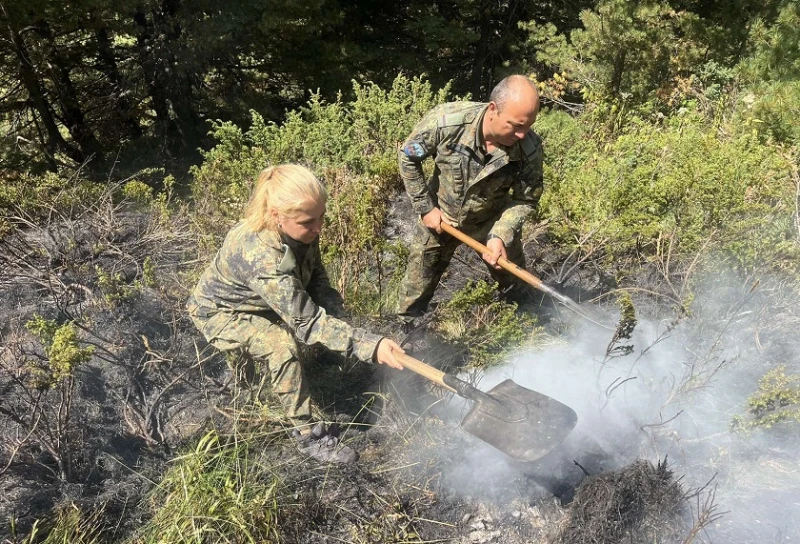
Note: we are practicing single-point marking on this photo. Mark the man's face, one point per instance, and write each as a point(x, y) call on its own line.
point(511, 124)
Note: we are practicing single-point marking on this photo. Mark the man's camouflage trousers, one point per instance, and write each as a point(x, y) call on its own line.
point(273, 351)
point(429, 256)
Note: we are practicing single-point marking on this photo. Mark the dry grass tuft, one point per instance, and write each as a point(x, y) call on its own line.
point(631, 504)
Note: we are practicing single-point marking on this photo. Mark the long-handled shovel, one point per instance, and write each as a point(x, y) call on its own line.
point(522, 274)
point(524, 424)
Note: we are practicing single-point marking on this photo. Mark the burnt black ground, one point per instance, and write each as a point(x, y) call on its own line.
point(153, 387)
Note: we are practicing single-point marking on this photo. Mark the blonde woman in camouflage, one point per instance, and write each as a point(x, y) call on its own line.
point(267, 289)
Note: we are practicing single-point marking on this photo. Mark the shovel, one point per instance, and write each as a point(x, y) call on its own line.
point(522, 274)
point(521, 423)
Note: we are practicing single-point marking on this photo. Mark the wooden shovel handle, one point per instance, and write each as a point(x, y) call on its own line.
point(524, 275)
point(504, 263)
point(433, 374)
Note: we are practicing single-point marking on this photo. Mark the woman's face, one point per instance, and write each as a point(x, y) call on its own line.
point(305, 225)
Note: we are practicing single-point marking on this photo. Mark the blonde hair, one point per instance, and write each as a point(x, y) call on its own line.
point(285, 189)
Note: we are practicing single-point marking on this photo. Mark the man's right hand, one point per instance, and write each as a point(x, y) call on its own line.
point(433, 220)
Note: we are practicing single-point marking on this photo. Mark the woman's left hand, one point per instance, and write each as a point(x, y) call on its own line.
point(385, 354)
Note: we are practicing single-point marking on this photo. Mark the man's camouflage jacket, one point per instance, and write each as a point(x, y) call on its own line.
point(467, 186)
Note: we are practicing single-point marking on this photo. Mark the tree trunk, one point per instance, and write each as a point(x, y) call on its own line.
point(170, 92)
point(71, 112)
point(107, 63)
point(182, 92)
point(477, 79)
point(619, 70)
point(52, 138)
point(156, 85)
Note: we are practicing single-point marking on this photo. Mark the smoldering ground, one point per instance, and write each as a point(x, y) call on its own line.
point(674, 396)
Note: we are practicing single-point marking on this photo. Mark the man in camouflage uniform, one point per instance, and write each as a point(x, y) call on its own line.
point(263, 291)
point(487, 179)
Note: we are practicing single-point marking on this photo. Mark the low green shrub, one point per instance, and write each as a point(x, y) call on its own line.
point(138, 192)
point(62, 346)
point(116, 290)
point(370, 286)
point(358, 139)
point(35, 197)
point(44, 389)
point(114, 287)
point(485, 327)
point(777, 399)
point(683, 181)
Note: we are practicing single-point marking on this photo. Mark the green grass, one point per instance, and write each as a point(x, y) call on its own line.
point(70, 525)
point(218, 493)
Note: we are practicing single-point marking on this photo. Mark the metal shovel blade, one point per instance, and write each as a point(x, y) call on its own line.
point(524, 424)
point(517, 421)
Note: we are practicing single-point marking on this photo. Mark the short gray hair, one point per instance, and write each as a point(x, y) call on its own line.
point(508, 89)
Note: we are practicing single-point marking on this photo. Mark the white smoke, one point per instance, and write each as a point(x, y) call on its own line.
point(673, 396)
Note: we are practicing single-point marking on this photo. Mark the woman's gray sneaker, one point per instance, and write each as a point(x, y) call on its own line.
point(325, 447)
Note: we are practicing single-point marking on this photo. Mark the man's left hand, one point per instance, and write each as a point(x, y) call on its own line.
point(497, 249)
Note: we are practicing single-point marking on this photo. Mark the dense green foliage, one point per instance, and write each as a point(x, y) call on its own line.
point(774, 47)
point(771, 111)
point(357, 137)
point(631, 46)
point(642, 54)
point(681, 181)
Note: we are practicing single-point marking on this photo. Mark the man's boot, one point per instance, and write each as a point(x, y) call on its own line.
point(324, 446)
point(405, 323)
point(518, 293)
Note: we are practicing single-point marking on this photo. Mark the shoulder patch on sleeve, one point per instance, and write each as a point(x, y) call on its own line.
point(415, 150)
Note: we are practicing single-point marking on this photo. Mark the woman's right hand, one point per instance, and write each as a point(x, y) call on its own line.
point(385, 354)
